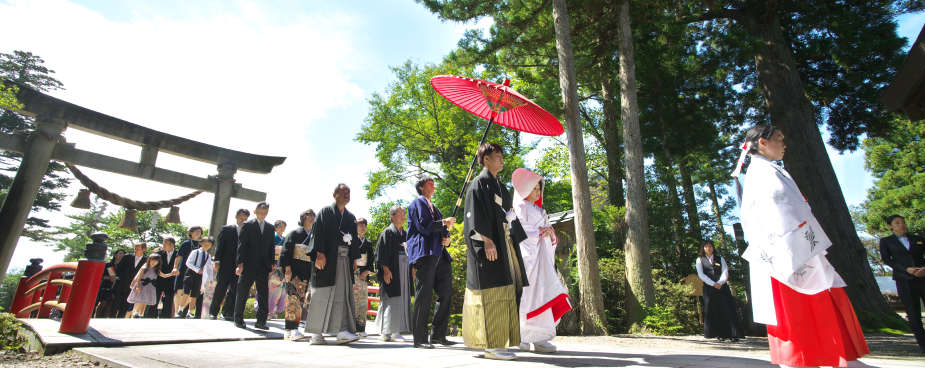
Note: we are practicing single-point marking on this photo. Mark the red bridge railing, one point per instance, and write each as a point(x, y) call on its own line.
point(372, 290)
point(44, 291)
point(74, 298)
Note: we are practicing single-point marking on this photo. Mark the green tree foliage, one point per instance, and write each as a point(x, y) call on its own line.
point(896, 160)
point(417, 132)
point(28, 69)
point(379, 218)
point(8, 97)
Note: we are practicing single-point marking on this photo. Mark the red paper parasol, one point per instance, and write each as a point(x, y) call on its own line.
point(481, 98)
point(497, 103)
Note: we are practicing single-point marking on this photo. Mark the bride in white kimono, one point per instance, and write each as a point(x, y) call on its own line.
point(545, 300)
point(795, 290)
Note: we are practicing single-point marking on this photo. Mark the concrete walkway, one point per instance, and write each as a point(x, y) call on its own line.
point(119, 332)
point(373, 353)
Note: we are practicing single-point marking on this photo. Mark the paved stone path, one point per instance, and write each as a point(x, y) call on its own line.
point(573, 352)
point(206, 343)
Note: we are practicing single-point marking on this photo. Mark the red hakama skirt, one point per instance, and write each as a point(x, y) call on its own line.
point(814, 330)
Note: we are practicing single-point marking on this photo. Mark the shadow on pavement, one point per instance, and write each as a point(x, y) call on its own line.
point(566, 358)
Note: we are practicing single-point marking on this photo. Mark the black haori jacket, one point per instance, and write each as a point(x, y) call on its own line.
point(487, 201)
point(327, 235)
point(387, 248)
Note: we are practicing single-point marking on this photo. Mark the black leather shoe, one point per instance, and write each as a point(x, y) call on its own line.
point(240, 325)
point(443, 342)
point(229, 319)
point(261, 326)
point(424, 346)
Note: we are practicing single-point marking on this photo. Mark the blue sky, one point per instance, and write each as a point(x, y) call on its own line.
point(286, 78)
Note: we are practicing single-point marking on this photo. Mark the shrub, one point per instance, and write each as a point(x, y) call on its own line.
point(8, 288)
point(455, 325)
point(10, 337)
point(613, 288)
point(661, 320)
point(674, 311)
point(249, 312)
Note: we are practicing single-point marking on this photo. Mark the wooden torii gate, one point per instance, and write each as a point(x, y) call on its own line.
point(52, 116)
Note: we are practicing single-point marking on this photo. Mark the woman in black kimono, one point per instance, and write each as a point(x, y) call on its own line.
point(297, 267)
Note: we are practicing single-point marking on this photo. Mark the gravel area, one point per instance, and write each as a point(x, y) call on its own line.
point(67, 359)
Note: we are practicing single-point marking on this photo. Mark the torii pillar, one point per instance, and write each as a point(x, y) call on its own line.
point(25, 186)
point(224, 187)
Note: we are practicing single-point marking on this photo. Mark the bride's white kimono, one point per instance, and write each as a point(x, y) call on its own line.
point(784, 239)
point(545, 300)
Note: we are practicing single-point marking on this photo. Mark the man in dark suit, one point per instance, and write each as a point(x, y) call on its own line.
point(226, 252)
point(254, 263)
point(125, 273)
point(170, 265)
point(428, 236)
point(903, 252)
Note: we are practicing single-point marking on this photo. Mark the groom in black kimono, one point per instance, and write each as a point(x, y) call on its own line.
point(495, 274)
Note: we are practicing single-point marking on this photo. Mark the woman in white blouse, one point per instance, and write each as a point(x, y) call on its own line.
point(719, 313)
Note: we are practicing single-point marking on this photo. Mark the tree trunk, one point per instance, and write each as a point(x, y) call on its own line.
point(808, 162)
point(615, 194)
point(665, 170)
point(690, 202)
point(640, 292)
point(589, 279)
point(720, 230)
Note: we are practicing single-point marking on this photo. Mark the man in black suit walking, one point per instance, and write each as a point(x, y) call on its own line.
point(226, 252)
point(903, 252)
point(254, 263)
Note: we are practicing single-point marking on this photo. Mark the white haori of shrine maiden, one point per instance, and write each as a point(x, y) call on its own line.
point(785, 240)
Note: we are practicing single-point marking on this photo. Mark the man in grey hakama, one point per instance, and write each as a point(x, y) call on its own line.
point(333, 247)
point(394, 274)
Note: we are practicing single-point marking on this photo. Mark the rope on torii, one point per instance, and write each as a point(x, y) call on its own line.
point(128, 203)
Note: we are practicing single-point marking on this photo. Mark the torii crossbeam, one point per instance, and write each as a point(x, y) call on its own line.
point(53, 116)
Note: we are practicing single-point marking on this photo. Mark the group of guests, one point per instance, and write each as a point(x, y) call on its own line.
point(135, 285)
point(318, 274)
point(513, 297)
